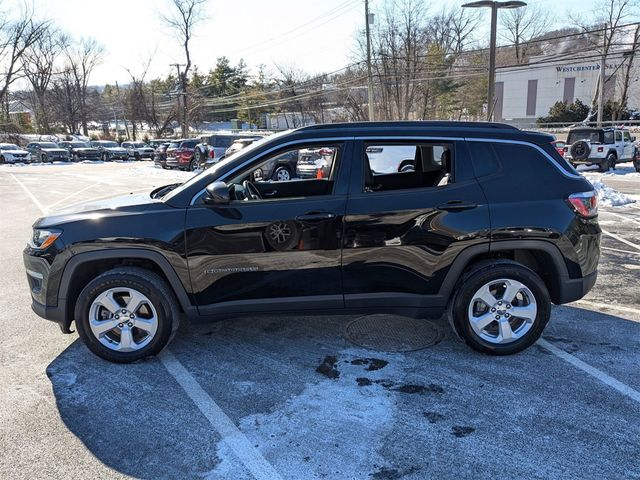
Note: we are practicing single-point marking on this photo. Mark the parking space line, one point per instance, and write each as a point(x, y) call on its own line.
point(28, 192)
point(252, 459)
point(623, 217)
point(611, 306)
point(594, 372)
point(620, 239)
point(72, 195)
point(619, 250)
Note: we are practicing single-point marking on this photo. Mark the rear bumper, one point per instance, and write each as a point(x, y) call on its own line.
point(572, 289)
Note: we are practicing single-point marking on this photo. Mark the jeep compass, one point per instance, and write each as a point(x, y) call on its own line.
point(465, 230)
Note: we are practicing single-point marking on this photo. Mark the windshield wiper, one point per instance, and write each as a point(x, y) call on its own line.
point(162, 191)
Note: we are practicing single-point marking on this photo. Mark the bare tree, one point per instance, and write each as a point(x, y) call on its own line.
point(39, 63)
point(16, 36)
point(627, 67)
point(81, 61)
point(182, 20)
point(521, 25)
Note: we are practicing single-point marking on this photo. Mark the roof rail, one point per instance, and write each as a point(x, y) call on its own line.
point(412, 123)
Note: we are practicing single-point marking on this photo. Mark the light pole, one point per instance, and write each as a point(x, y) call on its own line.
point(368, 21)
point(494, 6)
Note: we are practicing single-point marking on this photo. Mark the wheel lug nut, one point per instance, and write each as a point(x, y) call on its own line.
point(124, 311)
point(120, 325)
point(132, 316)
point(497, 317)
point(508, 305)
point(499, 303)
point(117, 316)
point(493, 309)
point(130, 324)
point(506, 315)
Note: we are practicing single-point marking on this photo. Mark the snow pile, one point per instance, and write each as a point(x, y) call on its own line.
point(157, 171)
point(608, 197)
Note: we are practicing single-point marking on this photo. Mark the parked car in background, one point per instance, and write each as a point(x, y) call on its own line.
point(79, 151)
point(392, 158)
point(138, 150)
point(156, 142)
point(47, 152)
point(238, 145)
point(604, 147)
point(180, 154)
point(315, 162)
point(110, 150)
point(559, 146)
point(12, 153)
point(160, 155)
point(279, 168)
point(212, 148)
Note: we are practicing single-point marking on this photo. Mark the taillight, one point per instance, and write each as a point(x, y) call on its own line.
point(584, 203)
point(600, 149)
point(212, 153)
point(566, 149)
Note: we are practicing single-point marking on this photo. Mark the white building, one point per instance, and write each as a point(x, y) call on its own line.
point(526, 92)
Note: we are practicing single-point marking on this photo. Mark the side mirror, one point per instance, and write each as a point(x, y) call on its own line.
point(633, 139)
point(217, 194)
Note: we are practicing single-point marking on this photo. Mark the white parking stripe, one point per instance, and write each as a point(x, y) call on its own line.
point(35, 200)
point(619, 250)
point(259, 467)
point(611, 306)
point(594, 372)
point(72, 195)
point(620, 239)
point(623, 217)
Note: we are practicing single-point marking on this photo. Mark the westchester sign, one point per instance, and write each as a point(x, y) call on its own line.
point(583, 68)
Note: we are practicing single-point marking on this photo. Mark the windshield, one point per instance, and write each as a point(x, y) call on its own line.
point(78, 144)
point(9, 147)
point(108, 144)
point(48, 145)
point(592, 136)
point(212, 172)
point(137, 144)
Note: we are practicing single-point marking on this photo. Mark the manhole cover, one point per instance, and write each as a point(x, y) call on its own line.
point(392, 333)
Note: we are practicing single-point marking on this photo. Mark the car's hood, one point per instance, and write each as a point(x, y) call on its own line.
point(14, 152)
point(85, 149)
point(54, 150)
point(123, 205)
point(115, 149)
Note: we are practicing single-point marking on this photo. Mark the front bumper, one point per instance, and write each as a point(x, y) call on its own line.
point(38, 270)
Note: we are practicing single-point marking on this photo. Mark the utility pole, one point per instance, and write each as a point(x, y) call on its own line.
point(603, 64)
point(369, 75)
point(124, 118)
point(183, 85)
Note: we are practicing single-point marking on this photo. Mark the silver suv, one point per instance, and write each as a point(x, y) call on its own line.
point(604, 147)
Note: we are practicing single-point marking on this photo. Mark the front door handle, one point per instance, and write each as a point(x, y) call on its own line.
point(456, 206)
point(315, 216)
point(269, 193)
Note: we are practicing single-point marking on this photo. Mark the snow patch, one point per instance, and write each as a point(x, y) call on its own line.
point(608, 197)
point(340, 415)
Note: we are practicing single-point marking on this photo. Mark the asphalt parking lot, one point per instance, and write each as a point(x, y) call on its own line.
point(245, 398)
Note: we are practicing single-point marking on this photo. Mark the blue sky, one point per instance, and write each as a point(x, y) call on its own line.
point(284, 32)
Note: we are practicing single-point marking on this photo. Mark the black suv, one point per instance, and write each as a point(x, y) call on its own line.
point(468, 231)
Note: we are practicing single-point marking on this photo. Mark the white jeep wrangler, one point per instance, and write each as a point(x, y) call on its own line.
point(604, 147)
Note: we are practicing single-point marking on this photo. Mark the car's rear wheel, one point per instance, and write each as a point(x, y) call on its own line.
point(2, 160)
point(608, 163)
point(199, 157)
point(105, 157)
point(126, 314)
point(500, 308)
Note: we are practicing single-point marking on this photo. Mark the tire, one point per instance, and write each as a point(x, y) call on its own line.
point(159, 302)
point(495, 275)
point(580, 150)
point(636, 165)
point(2, 160)
point(136, 157)
point(193, 165)
point(608, 163)
point(199, 157)
point(407, 166)
point(281, 174)
point(43, 159)
point(105, 157)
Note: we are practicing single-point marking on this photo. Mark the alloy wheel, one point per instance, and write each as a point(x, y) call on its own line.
point(502, 311)
point(283, 175)
point(279, 232)
point(123, 319)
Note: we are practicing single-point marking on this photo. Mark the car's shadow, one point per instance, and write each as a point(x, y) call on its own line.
point(138, 421)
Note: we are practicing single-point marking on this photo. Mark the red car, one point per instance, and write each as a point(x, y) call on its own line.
point(180, 154)
point(560, 146)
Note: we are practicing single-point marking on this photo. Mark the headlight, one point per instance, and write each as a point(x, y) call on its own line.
point(42, 239)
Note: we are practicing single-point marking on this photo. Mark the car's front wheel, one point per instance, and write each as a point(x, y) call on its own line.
point(282, 174)
point(105, 157)
point(500, 308)
point(126, 314)
point(608, 163)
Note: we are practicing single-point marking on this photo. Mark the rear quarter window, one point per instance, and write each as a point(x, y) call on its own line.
point(484, 159)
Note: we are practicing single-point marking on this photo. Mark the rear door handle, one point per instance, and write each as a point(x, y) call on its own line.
point(456, 206)
point(315, 216)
